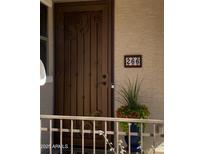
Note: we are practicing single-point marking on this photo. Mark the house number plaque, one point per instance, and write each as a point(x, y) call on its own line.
point(133, 61)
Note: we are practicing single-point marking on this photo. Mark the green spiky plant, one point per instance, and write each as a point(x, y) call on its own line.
point(129, 97)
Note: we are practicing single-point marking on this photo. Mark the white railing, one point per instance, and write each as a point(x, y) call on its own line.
point(116, 132)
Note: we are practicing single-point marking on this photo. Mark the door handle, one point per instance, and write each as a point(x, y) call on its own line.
point(104, 79)
point(103, 83)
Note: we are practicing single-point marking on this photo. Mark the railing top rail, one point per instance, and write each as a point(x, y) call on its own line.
point(113, 119)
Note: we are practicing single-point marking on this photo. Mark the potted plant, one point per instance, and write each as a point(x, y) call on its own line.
point(131, 108)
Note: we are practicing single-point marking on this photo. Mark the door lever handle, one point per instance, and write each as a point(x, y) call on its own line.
point(104, 83)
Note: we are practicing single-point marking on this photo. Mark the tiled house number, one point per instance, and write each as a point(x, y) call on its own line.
point(133, 61)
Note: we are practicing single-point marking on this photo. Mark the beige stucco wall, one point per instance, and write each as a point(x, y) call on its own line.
point(139, 30)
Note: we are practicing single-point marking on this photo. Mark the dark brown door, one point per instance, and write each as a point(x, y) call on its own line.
point(83, 62)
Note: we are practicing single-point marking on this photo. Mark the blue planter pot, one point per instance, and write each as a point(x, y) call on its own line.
point(135, 145)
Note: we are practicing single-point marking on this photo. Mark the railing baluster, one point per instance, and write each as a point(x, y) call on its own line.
point(93, 136)
point(141, 137)
point(82, 136)
point(50, 136)
point(117, 137)
point(129, 138)
point(154, 138)
point(106, 137)
point(61, 136)
point(71, 136)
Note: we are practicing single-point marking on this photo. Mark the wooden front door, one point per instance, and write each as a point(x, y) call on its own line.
point(83, 62)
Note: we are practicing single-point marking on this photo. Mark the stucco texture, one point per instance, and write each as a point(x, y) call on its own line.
point(139, 30)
